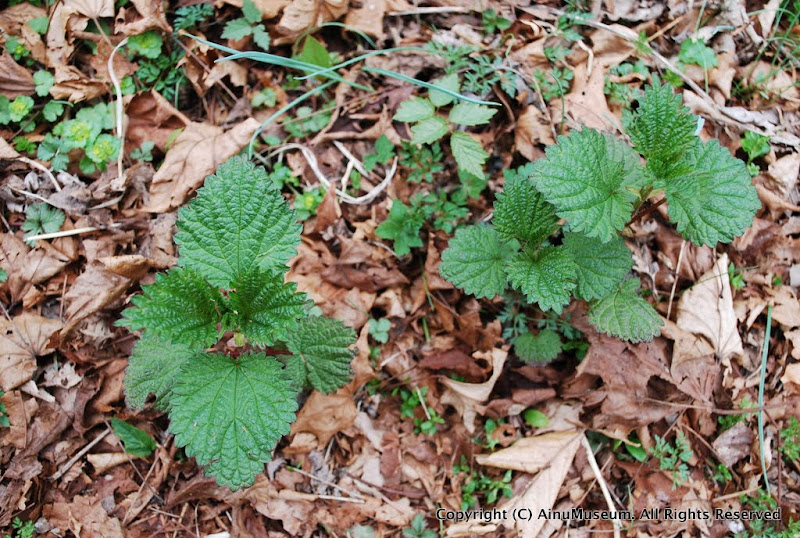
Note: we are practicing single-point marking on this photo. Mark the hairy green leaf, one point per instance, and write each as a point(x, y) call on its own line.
point(522, 213)
point(471, 114)
point(153, 368)
point(661, 129)
point(448, 82)
point(625, 315)
point(238, 221)
point(543, 347)
point(600, 266)
point(546, 276)
point(711, 199)
point(475, 260)
point(180, 307)
point(416, 109)
point(263, 307)
point(230, 413)
point(592, 179)
point(428, 130)
point(320, 353)
point(468, 152)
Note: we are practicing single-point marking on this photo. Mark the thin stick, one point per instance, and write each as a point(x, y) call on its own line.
point(118, 93)
point(677, 276)
point(764, 355)
point(43, 168)
point(67, 233)
point(429, 11)
point(67, 466)
point(422, 401)
point(602, 483)
point(353, 494)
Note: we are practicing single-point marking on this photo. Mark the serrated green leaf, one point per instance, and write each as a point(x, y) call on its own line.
point(625, 315)
point(230, 413)
point(261, 37)
point(448, 82)
point(546, 276)
point(416, 109)
point(428, 130)
point(237, 29)
point(135, 441)
point(593, 180)
point(543, 347)
point(468, 152)
point(695, 51)
point(321, 353)
point(471, 114)
point(251, 12)
point(263, 307)
point(600, 266)
point(402, 226)
point(147, 44)
point(661, 129)
point(41, 218)
point(180, 307)
point(475, 261)
point(238, 221)
point(712, 198)
point(522, 213)
point(52, 110)
point(153, 368)
point(44, 80)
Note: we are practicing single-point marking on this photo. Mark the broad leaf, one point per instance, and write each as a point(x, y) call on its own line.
point(593, 180)
point(416, 109)
point(402, 226)
point(230, 413)
point(428, 130)
point(543, 347)
point(712, 198)
point(471, 114)
point(661, 129)
point(625, 315)
point(251, 12)
point(237, 29)
point(468, 152)
point(522, 213)
point(135, 441)
point(180, 307)
point(600, 266)
point(320, 353)
point(546, 276)
point(153, 368)
point(448, 82)
point(238, 221)
point(263, 307)
point(475, 260)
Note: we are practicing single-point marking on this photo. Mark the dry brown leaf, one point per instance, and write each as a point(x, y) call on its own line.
point(707, 310)
point(104, 461)
point(85, 517)
point(787, 308)
point(792, 375)
point(734, 444)
point(466, 396)
point(22, 339)
point(196, 153)
point(27, 267)
point(7, 153)
point(268, 8)
point(152, 13)
point(131, 266)
point(14, 79)
point(325, 415)
point(529, 454)
point(301, 15)
point(586, 102)
point(368, 17)
point(785, 172)
point(73, 85)
point(13, 22)
point(532, 129)
point(236, 71)
point(19, 411)
point(151, 117)
point(91, 8)
point(94, 289)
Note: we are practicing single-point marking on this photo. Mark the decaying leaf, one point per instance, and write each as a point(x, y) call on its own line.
point(465, 396)
point(14, 79)
point(22, 339)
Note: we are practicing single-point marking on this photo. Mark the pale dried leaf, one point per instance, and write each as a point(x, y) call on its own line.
point(325, 415)
point(14, 79)
point(734, 444)
point(465, 396)
point(368, 17)
point(196, 153)
point(91, 8)
point(529, 454)
point(22, 339)
point(94, 289)
point(532, 129)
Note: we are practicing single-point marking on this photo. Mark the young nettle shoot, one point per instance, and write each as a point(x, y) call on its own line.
point(598, 184)
point(229, 410)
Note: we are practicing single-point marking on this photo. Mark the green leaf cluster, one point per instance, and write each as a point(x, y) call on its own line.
point(588, 188)
point(247, 25)
point(229, 411)
point(87, 132)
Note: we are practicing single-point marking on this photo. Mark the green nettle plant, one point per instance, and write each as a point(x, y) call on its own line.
point(597, 184)
point(230, 408)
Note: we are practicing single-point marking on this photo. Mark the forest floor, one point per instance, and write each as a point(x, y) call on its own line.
point(443, 418)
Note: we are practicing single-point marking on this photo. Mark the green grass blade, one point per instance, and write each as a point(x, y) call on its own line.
point(428, 85)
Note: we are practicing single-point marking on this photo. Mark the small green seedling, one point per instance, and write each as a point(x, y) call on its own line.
point(242, 27)
point(41, 218)
point(494, 23)
point(476, 484)
point(135, 441)
point(419, 529)
point(674, 457)
point(755, 145)
point(379, 329)
point(22, 529)
point(589, 188)
point(187, 17)
point(412, 406)
point(535, 418)
point(230, 407)
point(4, 422)
point(790, 439)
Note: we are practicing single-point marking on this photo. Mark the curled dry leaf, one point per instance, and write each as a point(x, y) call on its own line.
point(466, 396)
point(22, 339)
point(368, 17)
point(27, 267)
point(84, 516)
point(152, 13)
point(301, 15)
point(532, 129)
point(73, 85)
point(325, 415)
point(13, 22)
point(734, 444)
point(91, 8)
point(93, 290)
point(14, 79)
point(151, 117)
point(196, 153)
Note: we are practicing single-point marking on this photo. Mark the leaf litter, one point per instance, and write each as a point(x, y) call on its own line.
point(439, 408)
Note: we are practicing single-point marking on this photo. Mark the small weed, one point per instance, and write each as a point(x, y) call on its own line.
point(554, 83)
point(494, 23)
point(790, 440)
point(421, 161)
point(755, 145)
point(264, 98)
point(22, 529)
point(728, 421)
point(411, 407)
point(419, 529)
point(722, 475)
point(736, 278)
point(477, 485)
point(306, 204)
point(384, 151)
point(188, 17)
point(4, 422)
point(248, 25)
point(41, 218)
point(144, 152)
point(674, 457)
point(762, 528)
point(379, 329)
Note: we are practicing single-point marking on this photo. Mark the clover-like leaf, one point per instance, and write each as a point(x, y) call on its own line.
point(593, 180)
point(546, 276)
point(475, 260)
point(468, 152)
point(625, 315)
point(522, 213)
point(712, 198)
point(153, 368)
point(180, 307)
point(600, 266)
point(230, 413)
point(238, 221)
point(263, 307)
point(321, 353)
